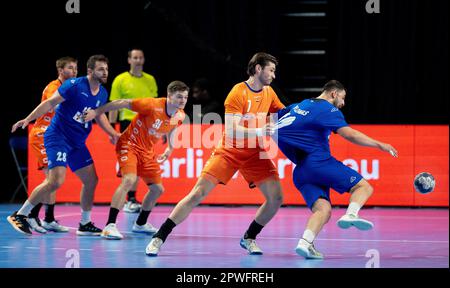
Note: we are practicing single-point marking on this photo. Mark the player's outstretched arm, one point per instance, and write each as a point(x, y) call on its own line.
point(114, 105)
point(103, 122)
point(40, 110)
point(362, 139)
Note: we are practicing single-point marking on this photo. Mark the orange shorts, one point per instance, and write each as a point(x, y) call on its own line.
point(223, 164)
point(36, 139)
point(141, 164)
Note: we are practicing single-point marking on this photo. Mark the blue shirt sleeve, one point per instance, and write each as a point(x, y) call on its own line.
point(67, 89)
point(333, 120)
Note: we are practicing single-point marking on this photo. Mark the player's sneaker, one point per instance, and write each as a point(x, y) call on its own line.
point(88, 230)
point(20, 223)
point(111, 232)
point(251, 246)
point(349, 220)
point(54, 226)
point(153, 247)
point(307, 250)
point(147, 228)
point(132, 207)
point(35, 224)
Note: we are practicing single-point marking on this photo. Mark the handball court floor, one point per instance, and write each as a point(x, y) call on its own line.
point(209, 238)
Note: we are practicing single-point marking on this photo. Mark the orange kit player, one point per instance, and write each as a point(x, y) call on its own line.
point(156, 117)
point(67, 68)
point(247, 104)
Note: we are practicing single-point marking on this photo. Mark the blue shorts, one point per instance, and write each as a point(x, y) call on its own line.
point(315, 178)
point(60, 153)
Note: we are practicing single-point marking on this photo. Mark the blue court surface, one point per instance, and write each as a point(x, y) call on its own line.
point(209, 238)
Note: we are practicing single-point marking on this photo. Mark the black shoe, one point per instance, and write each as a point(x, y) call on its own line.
point(20, 223)
point(88, 230)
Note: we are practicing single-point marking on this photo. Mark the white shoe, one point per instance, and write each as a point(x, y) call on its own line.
point(349, 220)
point(35, 224)
point(251, 246)
point(307, 250)
point(153, 247)
point(147, 228)
point(54, 226)
point(111, 232)
point(132, 207)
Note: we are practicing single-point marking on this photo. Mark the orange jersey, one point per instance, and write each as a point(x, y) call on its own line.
point(150, 124)
point(48, 92)
point(37, 133)
point(253, 106)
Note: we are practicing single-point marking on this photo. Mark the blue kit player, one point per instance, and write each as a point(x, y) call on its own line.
point(303, 131)
point(65, 142)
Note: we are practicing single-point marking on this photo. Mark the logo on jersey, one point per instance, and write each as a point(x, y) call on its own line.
point(352, 179)
point(84, 94)
point(300, 111)
point(78, 117)
point(334, 109)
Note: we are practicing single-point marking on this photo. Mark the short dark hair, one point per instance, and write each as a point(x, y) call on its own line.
point(262, 59)
point(134, 49)
point(94, 58)
point(333, 85)
point(177, 86)
point(63, 61)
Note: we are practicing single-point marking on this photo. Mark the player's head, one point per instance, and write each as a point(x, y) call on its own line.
point(262, 66)
point(336, 92)
point(97, 67)
point(67, 67)
point(177, 94)
point(136, 58)
point(200, 89)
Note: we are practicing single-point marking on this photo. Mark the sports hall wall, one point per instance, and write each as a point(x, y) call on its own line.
point(421, 148)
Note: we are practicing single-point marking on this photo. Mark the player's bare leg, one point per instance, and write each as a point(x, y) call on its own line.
point(272, 191)
point(118, 200)
point(201, 189)
point(89, 179)
point(361, 192)
point(54, 180)
point(182, 210)
point(321, 215)
point(131, 204)
point(141, 225)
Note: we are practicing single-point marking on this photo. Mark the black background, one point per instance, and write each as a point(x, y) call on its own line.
point(394, 64)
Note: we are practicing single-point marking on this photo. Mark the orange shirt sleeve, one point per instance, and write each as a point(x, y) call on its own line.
point(49, 91)
point(142, 105)
point(276, 103)
point(234, 104)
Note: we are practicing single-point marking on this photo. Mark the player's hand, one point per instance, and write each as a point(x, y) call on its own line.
point(22, 123)
point(163, 157)
point(389, 148)
point(89, 115)
point(114, 138)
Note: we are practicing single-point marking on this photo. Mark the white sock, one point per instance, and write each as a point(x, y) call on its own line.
point(353, 208)
point(85, 217)
point(309, 235)
point(26, 208)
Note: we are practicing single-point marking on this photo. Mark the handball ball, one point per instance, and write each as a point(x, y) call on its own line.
point(424, 183)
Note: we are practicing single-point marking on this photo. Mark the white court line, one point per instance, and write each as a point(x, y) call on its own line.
point(321, 239)
point(7, 247)
point(252, 214)
point(317, 239)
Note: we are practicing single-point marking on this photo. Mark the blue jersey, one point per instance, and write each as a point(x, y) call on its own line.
point(304, 129)
point(68, 121)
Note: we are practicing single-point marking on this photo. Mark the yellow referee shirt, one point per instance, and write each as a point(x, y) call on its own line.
point(127, 86)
